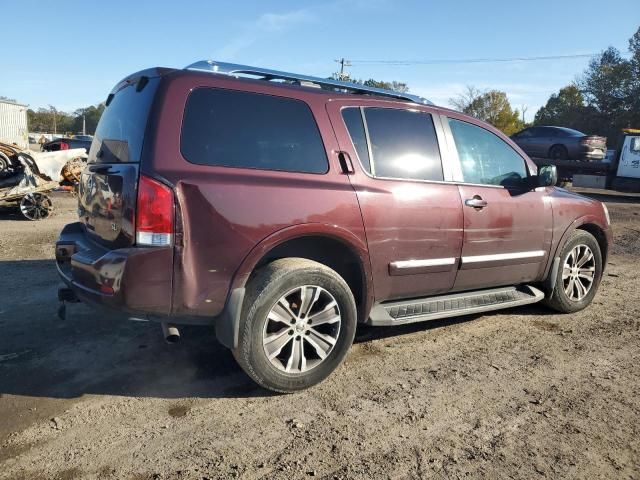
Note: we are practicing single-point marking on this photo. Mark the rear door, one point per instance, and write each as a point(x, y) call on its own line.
point(507, 224)
point(108, 186)
point(412, 217)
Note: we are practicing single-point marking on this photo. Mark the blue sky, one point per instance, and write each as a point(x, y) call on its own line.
point(70, 53)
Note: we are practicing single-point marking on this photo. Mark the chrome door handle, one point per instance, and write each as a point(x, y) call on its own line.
point(475, 202)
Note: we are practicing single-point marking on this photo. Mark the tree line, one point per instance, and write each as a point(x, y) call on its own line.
point(52, 120)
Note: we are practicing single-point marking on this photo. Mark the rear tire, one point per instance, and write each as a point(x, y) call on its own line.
point(579, 273)
point(558, 152)
point(297, 325)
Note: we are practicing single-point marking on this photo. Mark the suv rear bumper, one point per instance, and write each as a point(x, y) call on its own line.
point(133, 280)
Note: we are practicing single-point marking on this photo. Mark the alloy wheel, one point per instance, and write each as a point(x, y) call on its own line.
point(578, 272)
point(301, 329)
point(36, 206)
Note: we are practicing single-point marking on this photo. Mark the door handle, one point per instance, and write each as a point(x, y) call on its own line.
point(476, 202)
point(345, 162)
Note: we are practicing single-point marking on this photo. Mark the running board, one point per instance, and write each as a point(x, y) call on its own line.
point(444, 306)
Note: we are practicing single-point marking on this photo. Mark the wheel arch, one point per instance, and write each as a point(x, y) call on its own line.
point(588, 223)
point(336, 247)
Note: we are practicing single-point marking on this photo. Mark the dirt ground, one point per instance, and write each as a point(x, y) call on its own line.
point(522, 393)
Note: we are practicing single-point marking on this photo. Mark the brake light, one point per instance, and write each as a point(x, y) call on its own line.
point(154, 213)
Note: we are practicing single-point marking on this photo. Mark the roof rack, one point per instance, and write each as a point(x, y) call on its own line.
point(233, 69)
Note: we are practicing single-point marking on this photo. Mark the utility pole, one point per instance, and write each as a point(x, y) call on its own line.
point(84, 124)
point(54, 121)
point(524, 110)
point(343, 63)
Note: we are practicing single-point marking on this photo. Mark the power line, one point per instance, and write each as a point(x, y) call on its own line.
point(473, 60)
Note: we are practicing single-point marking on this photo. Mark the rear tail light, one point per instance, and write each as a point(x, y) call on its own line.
point(154, 213)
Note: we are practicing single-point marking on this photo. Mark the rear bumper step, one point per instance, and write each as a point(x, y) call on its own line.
point(445, 306)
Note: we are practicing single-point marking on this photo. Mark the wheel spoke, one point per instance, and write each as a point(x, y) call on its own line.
point(321, 348)
point(287, 308)
point(326, 317)
point(308, 297)
point(569, 288)
point(330, 306)
point(581, 291)
point(281, 314)
point(273, 345)
point(566, 272)
point(587, 273)
point(586, 257)
point(316, 335)
point(295, 357)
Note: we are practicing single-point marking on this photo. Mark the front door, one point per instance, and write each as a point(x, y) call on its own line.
point(507, 224)
point(412, 217)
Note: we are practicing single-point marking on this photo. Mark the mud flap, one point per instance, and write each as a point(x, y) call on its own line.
point(228, 323)
point(550, 282)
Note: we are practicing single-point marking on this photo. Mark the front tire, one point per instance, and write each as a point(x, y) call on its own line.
point(579, 275)
point(558, 152)
point(297, 325)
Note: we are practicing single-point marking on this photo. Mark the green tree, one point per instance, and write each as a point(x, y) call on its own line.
point(92, 116)
point(7, 99)
point(492, 106)
point(607, 85)
point(605, 99)
point(568, 108)
point(51, 119)
point(392, 85)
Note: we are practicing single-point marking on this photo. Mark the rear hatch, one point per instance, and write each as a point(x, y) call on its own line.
point(108, 186)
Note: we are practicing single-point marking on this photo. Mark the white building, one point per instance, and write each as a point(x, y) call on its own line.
point(13, 123)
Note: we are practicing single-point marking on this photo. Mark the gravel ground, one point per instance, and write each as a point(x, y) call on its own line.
point(522, 393)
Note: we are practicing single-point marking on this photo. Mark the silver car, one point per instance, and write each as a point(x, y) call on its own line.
point(559, 143)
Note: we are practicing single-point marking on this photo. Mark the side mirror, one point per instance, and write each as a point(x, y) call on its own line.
point(547, 176)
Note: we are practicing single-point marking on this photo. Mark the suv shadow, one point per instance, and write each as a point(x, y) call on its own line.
point(98, 353)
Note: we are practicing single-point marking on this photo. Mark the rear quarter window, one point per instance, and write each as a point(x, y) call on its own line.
point(251, 130)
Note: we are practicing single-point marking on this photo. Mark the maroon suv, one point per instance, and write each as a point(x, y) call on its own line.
point(284, 209)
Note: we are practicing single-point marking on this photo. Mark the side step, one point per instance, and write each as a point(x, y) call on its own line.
point(444, 306)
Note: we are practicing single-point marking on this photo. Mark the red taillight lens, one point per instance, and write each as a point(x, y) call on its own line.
point(154, 213)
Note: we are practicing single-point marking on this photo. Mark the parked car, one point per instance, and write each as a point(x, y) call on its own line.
point(560, 143)
point(66, 144)
point(284, 215)
point(88, 138)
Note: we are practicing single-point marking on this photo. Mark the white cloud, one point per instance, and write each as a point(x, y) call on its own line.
point(277, 22)
point(266, 24)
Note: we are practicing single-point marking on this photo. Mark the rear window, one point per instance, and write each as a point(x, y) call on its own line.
point(120, 132)
point(250, 130)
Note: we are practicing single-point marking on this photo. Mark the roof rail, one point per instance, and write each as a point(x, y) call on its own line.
point(233, 69)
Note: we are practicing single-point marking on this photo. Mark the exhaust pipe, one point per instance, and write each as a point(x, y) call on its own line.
point(170, 332)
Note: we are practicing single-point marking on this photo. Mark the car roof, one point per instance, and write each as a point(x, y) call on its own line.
point(564, 129)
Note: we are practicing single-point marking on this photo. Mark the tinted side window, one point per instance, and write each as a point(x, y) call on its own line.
point(251, 130)
point(403, 144)
point(548, 132)
point(353, 121)
point(485, 158)
point(526, 133)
